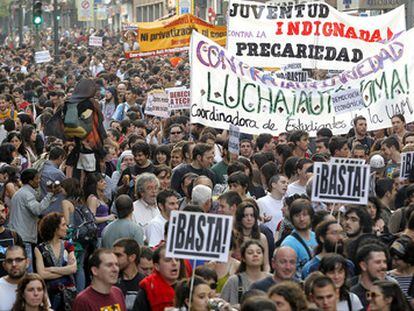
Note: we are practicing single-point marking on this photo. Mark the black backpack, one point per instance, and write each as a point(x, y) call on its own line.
point(84, 230)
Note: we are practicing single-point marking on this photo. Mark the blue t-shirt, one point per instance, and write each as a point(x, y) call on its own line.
point(301, 253)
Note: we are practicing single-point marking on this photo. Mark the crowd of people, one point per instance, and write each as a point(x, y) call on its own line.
point(89, 233)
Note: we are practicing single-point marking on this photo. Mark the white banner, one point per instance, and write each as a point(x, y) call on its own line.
point(224, 91)
point(157, 104)
point(178, 98)
point(340, 183)
point(95, 41)
point(199, 236)
point(42, 57)
point(315, 34)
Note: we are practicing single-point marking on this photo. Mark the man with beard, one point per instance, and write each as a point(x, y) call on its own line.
point(358, 226)
point(127, 251)
point(361, 137)
point(329, 235)
point(145, 208)
point(372, 260)
point(7, 238)
point(15, 264)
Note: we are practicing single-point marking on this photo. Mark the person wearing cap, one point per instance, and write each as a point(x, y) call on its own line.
point(402, 254)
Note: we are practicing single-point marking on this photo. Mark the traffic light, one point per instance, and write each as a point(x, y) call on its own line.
point(37, 13)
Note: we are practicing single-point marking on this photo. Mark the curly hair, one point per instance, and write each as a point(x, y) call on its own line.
point(20, 300)
point(292, 293)
point(49, 224)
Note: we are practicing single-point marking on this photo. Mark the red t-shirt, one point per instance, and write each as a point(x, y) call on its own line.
point(90, 300)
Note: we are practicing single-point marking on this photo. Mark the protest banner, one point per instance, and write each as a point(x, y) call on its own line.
point(315, 34)
point(95, 41)
point(178, 98)
point(340, 183)
point(234, 139)
point(85, 10)
point(157, 104)
point(347, 100)
point(225, 90)
point(199, 236)
point(168, 36)
point(42, 57)
point(407, 163)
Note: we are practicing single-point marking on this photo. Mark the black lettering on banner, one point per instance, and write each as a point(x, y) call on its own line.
point(180, 237)
point(407, 163)
point(200, 237)
point(341, 183)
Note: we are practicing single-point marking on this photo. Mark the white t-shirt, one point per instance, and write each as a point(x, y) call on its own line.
point(295, 188)
point(355, 303)
point(7, 294)
point(271, 207)
point(155, 230)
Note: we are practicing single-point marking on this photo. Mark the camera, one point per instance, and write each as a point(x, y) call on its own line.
point(215, 304)
point(53, 184)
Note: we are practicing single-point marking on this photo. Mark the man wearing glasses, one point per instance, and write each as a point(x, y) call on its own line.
point(15, 264)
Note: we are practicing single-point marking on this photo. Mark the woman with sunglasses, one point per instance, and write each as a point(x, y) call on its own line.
point(251, 270)
point(387, 296)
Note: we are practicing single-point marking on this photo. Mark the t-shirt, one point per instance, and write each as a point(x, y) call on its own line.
point(295, 188)
point(130, 289)
point(356, 304)
point(7, 294)
point(271, 207)
point(91, 300)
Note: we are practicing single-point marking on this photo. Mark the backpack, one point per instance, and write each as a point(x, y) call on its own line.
point(84, 229)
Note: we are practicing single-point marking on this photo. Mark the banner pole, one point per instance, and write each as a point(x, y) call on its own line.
point(192, 285)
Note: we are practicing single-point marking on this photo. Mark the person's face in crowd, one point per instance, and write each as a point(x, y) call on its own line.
point(225, 209)
point(176, 159)
point(16, 142)
point(409, 140)
point(269, 147)
point(123, 259)
point(321, 148)
point(33, 294)
point(17, 96)
point(18, 124)
point(302, 172)
point(101, 185)
point(352, 225)
point(281, 303)
point(302, 220)
point(141, 158)
point(128, 161)
point(4, 177)
point(284, 264)
point(206, 160)
point(35, 182)
point(372, 210)
point(337, 276)
point(325, 297)
point(62, 229)
point(399, 264)
point(248, 220)
point(185, 184)
point(387, 151)
point(176, 134)
point(358, 154)
point(165, 180)
point(376, 266)
point(398, 126)
point(33, 136)
point(3, 215)
point(282, 140)
point(15, 264)
point(303, 143)
point(108, 96)
point(4, 105)
point(169, 268)
point(344, 152)
point(130, 97)
point(280, 187)
point(150, 193)
point(253, 256)
point(161, 158)
point(121, 89)
point(238, 188)
point(108, 270)
point(361, 127)
point(171, 204)
point(141, 131)
point(377, 300)
point(246, 149)
point(201, 295)
point(333, 241)
point(116, 126)
point(145, 266)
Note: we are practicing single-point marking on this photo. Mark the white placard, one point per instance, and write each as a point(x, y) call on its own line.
point(347, 100)
point(157, 104)
point(95, 41)
point(178, 98)
point(407, 163)
point(199, 236)
point(42, 57)
point(234, 139)
point(340, 183)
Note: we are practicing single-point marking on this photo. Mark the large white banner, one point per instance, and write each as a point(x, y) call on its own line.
point(314, 34)
point(225, 91)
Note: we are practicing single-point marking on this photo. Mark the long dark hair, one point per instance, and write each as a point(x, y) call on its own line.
point(329, 263)
point(22, 148)
point(239, 217)
point(91, 182)
point(393, 290)
point(20, 301)
point(182, 291)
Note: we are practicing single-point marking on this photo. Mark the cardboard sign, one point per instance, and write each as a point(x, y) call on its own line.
point(314, 34)
point(199, 236)
point(225, 90)
point(340, 183)
point(234, 139)
point(95, 41)
point(407, 163)
point(347, 100)
point(157, 104)
point(42, 57)
point(178, 98)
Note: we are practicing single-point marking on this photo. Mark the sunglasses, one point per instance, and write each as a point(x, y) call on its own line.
point(372, 295)
point(175, 133)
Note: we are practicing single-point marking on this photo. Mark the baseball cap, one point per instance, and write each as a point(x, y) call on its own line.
point(377, 162)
